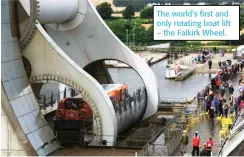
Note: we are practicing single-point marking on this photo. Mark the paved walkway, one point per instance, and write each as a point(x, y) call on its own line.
point(207, 130)
point(203, 68)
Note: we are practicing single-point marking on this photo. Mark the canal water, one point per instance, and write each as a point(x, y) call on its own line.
point(168, 88)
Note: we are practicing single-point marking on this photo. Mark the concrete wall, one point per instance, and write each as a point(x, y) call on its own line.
point(99, 71)
point(10, 144)
point(17, 96)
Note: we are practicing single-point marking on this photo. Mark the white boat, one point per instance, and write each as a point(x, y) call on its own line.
point(173, 71)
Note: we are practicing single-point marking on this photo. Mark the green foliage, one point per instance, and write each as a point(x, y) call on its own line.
point(128, 12)
point(235, 42)
point(105, 10)
point(241, 21)
point(216, 2)
point(147, 13)
point(137, 4)
point(118, 28)
point(229, 3)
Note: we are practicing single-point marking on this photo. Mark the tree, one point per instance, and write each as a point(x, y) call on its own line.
point(216, 2)
point(229, 3)
point(127, 25)
point(242, 21)
point(118, 28)
point(235, 42)
point(147, 13)
point(105, 10)
point(128, 12)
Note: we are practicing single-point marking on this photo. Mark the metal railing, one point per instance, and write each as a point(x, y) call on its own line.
point(230, 134)
point(47, 100)
point(91, 140)
point(171, 141)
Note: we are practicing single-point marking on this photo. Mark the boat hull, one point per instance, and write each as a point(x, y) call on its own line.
point(173, 76)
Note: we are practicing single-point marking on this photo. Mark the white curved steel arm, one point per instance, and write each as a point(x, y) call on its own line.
point(92, 40)
point(48, 61)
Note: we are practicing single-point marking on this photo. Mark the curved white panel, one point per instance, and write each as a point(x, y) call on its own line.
point(92, 40)
point(20, 95)
point(55, 11)
point(46, 58)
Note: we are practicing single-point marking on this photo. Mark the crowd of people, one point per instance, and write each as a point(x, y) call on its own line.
point(219, 100)
point(218, 97)
point(202, 57)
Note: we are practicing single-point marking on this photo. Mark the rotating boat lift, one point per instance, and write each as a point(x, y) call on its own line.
point(59, 40)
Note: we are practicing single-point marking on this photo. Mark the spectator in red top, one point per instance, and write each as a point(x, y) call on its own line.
point(218, 82)
point(210, 145)
point(241, 104)
point(195, 144)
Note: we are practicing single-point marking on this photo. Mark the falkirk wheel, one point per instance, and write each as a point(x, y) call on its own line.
point(35, 34)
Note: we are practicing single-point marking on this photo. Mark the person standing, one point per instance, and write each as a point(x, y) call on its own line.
point(195, 144)
point(220, 52)
point(198, 58)
point(235, 107)
point(211, 94)
point(222, 90)
point(208, 103)
point(207, 89)
point(239, 99)
point(219, 64)
point(226, 108)
point(231, 88)
point(218, 82)
point(216, 104)
point(241, 105)
point(184, 142)
point(210, 64)
point(238, 68)
point(203, 59)
point(213, 84)
point(199, 98)
point(231, 100)
point(212, 115)
point(220, 107)
point(209, 145)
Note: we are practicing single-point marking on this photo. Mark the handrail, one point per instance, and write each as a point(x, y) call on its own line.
point(161, 131)
point(229, 134)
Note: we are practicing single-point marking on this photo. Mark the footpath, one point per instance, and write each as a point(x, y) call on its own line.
point(203, 68)
point(205, 128)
